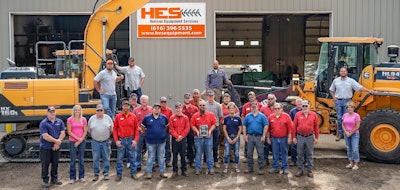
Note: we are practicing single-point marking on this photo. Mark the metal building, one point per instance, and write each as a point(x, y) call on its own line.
point(274, 33)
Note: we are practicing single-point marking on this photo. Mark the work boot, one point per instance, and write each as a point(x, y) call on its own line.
point(299, 173)
point(148, 176)
point(285, 172)
point(273, 171)
point(174, 174)
point(197, 172)
point(118, 178)
point(134, 176)
point(216, 165)
point(96, 177)
point(261, 171)
point(56, 182)
point(163, 175)
point(310, 174)
point(249, 170)
point(169, 164)
point(211, 172)
point(45, 185)
point(106, 177)
point(185, 174)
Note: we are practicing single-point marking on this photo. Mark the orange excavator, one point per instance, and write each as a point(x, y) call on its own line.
point(26, 92)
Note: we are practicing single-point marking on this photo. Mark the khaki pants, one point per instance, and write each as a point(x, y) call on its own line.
point(217, 97)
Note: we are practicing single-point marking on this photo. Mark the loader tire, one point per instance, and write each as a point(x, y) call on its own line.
point(380, 136)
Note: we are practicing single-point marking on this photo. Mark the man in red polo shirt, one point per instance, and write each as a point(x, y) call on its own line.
point(203, 124)
point(140, 112)
point(279, 136)
point(179, 128)
point(126, 135)
point(305, 135)
point(267, 110)
point(189, 110)
point(168, 113)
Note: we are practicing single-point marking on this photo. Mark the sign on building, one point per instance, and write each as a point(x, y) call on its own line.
point(172, 20)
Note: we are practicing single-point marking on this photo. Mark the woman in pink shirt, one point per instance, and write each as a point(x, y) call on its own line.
point(350, 126)
point(76, 127)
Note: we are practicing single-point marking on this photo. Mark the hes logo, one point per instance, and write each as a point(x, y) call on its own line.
point(161, 13)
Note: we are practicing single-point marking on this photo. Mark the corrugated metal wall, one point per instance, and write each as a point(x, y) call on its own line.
point(174, 66)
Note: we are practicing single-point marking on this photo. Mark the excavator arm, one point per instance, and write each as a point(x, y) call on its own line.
point(99, 29)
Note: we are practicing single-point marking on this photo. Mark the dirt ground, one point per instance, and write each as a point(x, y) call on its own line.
point(328, 174)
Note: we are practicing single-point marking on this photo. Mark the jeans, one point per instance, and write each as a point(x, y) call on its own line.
point(101, 150)
point(204, 145)
point(280, 151)
point(168, 148)
point(305, 145)
point(293, 152)
point(340, 106)
point(138, 92)
point(152, 149)
point(47, 157)
point(352, 147)
point(215, 143)
point(255, 141)
point(179, 148)
point(72, 165)
point(138, 150)
point(190, 147)
point(228, 147)
point(126, 147)
point(109, 102)
point(267, 148)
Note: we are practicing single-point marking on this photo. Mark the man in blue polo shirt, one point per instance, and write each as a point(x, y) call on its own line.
point(155, 126)
point(255, 126)
point(52, 132)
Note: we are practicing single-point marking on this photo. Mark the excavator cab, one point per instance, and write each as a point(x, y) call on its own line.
point(351, 53)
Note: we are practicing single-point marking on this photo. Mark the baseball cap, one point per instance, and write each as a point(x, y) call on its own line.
point(133, 96)
point(187, 95)
point(51, 108)
point(178, 104)
point(99, 107)
point(304, 103)
point(210, 93)
point(196, 91)
point(254, 104)
point(251, 93)
point(156, 105)
point(163, 99)
point(125, 102)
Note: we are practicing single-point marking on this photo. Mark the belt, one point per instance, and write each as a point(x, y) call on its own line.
point(125, 137)
point(101, 141)
point(305, 135)
point(255, 135)
point(343, 98)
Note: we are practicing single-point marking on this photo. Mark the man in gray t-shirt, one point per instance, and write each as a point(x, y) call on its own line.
point(104, 83)
point(214, 107)
point(100, 127)
point(134, 78)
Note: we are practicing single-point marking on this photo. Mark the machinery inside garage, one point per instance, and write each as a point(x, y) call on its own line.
point(277, 44)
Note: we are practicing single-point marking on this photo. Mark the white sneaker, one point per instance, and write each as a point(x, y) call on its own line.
point(128, 165)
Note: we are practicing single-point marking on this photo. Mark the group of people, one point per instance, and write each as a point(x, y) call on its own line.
point(192, 132)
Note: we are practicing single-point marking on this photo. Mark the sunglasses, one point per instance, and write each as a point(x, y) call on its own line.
point(304, 106)
point(277, 108)
point(99, 110)
point(201, 105)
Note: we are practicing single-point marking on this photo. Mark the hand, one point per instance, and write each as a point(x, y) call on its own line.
point(289, 141)
point(348, 133)
point(294, 140)
point(246, 139)
point(315, 140)
point(230, 141)
point(269, 141)
point(118, 143)
point(179, 139)
point(76, 144)
point(101, 91)
point(133, 144)
point(209, 134)
point(235, 140)
point(58, 142)
point(197, 133)
point(56, 147)
point(262, 139)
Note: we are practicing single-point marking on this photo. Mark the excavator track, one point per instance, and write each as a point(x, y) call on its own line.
point(23, 147)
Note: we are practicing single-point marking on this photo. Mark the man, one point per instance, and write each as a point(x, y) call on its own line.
point(104, 83)
point(293, 147)
point(143, 110)
point(133, 99)
point(126, 136)
point(52, 132)
point(189, 110)
point(279, 136)
point(305, 135)
point(246, 109)
point(341, 91)
point(215, 79)
point(204, 122)
point(267, 110)
point(215, 108)
point(179, 129)
point(100, 127)
point(196, 98)
point(134, 77)
point(255, 126)
point(155, 126)
point(168, 113)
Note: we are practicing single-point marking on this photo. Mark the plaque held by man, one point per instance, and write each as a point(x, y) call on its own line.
point(203, 132)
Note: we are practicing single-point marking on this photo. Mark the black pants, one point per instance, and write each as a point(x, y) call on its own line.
point(179, 148)
point(48, 156)
point(190, 147)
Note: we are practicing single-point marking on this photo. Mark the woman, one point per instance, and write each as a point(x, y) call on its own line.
point(77, 130)
point(350, 126)
point(232, 129)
